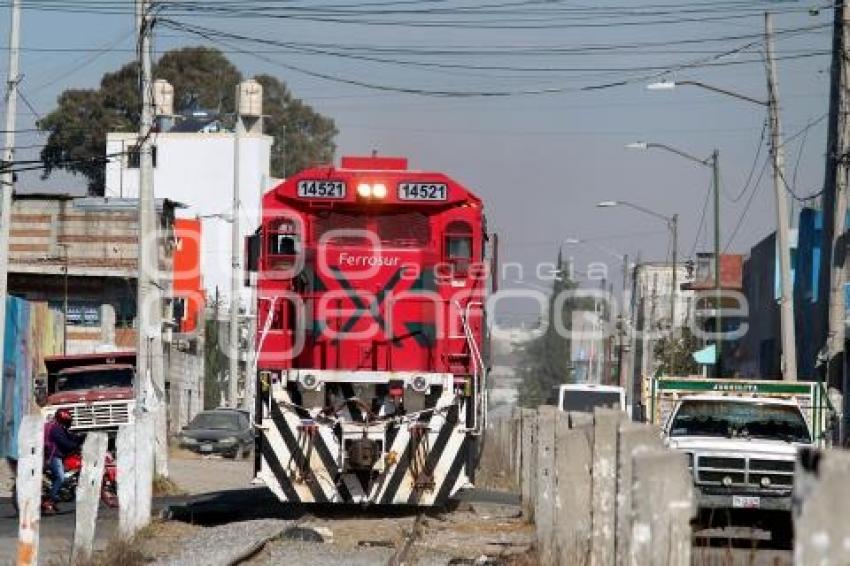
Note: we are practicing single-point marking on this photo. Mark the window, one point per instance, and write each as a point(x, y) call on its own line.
point(283, 238)
point(458, 250)
point(459, 247)
point(133, 158)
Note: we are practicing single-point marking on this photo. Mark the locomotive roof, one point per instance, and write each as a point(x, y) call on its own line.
point(392, 172)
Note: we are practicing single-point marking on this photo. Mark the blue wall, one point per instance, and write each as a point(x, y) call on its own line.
point(17, 374)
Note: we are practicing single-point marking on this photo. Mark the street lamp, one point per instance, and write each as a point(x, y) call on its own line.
point(671, 85)
point(789, 344)
point(672, 224)
point(712, 161)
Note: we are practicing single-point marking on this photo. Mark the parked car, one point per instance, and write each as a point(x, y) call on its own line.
point(219, 431)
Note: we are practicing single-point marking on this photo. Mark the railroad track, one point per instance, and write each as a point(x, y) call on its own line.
point(402, 552)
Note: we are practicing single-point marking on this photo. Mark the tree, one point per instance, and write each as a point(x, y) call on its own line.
point(77, 127)
point(545, 362)
point(302, 137)
point(675, 353)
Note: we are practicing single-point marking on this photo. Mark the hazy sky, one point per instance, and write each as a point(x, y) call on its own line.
point(540, 162)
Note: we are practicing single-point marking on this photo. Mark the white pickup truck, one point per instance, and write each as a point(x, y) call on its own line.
point(741, 450)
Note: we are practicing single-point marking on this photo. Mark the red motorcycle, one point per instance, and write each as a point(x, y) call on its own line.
point(73, 464)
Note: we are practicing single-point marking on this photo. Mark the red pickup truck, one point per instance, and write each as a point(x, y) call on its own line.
point(96, 388)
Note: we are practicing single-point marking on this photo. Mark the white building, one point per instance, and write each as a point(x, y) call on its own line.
point(652, 285)
point(196, 168)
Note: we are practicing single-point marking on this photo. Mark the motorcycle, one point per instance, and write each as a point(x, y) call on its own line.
point(73, 464)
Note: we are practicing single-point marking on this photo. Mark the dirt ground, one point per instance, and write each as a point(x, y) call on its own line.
point(196, 474)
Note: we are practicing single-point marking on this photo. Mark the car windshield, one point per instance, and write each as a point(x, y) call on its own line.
point(99, 379)
point(586, 401)
point(217, 421)
point(731, 419)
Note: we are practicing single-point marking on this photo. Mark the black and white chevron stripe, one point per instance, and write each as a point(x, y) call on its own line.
point(303, 468)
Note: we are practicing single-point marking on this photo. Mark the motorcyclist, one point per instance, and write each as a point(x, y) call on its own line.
point(59, 442)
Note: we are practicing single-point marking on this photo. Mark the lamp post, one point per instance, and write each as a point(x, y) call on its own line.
point(712, 161)
point(789, 344)
point(673, 225)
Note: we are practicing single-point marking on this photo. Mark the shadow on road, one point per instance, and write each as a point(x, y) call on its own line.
point(259, 503)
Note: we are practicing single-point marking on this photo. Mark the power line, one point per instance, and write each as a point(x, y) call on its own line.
point(701, 218)
point(753, 167)
point(743, 214)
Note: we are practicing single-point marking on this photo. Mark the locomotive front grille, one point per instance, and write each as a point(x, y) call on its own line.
point(752, 473)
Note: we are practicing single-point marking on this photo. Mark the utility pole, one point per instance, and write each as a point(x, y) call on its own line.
point(718, 297)
point(833, 276)
point(786, 305)
point(150, 380)
point(235, 275)
point(7, 177)
point(623, 328)
point(674, 227)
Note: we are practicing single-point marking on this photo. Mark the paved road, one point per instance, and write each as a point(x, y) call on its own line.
point(57, 531)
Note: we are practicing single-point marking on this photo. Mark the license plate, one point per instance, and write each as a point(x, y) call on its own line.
point(746, 502)
point(206, 448)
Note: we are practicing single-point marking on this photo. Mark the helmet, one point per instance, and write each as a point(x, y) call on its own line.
point(63, 417)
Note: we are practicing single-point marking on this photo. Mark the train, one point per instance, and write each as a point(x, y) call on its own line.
point(372, 284)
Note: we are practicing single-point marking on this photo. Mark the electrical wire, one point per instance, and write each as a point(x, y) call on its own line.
point(753, 167)
point(702, 215)
point(749, 202)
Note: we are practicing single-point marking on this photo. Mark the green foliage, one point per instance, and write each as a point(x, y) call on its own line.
point(675, 352)
point(78, 125)
point(302, 137)
point(545, 362)
point(214, 363)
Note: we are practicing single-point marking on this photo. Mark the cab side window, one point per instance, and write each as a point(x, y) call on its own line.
point(284, 238)
point(458, 246)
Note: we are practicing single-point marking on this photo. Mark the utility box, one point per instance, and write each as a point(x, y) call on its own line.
point(249, 99)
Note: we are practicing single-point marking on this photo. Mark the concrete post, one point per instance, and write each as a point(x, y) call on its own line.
point(88, 495)
point(529, 462)
point(145, 441)
point(633, 437)
point(30, 464)
point(544, 504)
point(662, 508)
point(606, 423)
point(573, 457)
point(107, 324)
point(516, 447)
point(822, 529)
point(125, 445)
point(135, 445)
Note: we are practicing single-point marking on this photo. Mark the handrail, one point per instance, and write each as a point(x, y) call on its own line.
point(266, 327)
point(479, 373)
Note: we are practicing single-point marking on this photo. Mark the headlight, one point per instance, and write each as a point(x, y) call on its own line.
point(229, 440)
point(188, 440)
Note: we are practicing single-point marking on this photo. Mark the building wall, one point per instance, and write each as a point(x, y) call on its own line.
point(185, 365)
point(89, 246)
point(196, 169)
point(758, 351)
point(652, 286)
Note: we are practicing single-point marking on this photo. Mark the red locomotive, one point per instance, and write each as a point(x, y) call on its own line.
point(372, 281)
